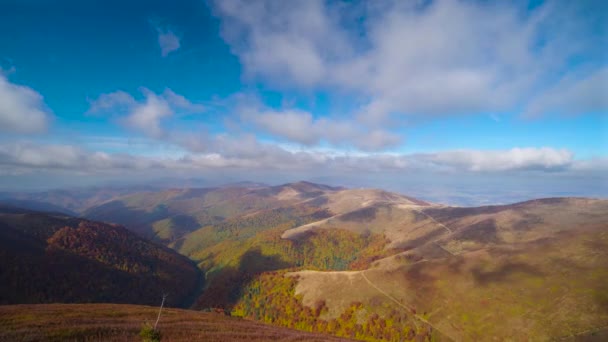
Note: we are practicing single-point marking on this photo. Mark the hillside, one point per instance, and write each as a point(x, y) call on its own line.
point(535, 269)
point(50, 258)
point(373, 265)
point(67, 201)
point(171, 214)
point(105, 322)
point(384, 258)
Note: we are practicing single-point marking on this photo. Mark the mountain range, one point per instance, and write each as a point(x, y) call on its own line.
point(357, 263)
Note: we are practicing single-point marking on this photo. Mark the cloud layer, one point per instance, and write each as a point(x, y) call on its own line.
point(246, 154)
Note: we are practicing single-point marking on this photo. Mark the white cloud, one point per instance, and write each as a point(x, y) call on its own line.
point(545, 158)
point(246, 154)
point(457, 177)
point(22, 109)
point(415, 58)
point(295, 125)
point(574, 96)
point(29, 156)
point(377, 139)
point(181, 103)
point(282, 39)
point(145, 115)
point(168, 41)
point(301, 127)
point(112, 101)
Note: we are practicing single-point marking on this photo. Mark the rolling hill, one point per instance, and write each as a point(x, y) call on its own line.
point(531, 270)
point(169, 215)
point(67, 201)
point(49, 258)
point(374, 265)
point(426, 265)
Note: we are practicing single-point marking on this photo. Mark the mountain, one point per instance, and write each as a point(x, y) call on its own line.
point(454, 273)
point(169, 215)
point(69, 201)
point(50, 258)
point(374, 265)
point(37, 206)
point(531, 270)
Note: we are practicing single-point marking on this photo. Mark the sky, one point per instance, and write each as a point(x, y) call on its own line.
point(465, 102)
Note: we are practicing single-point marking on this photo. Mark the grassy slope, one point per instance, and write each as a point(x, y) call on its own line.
point(469, 272)
point(171, 214)
point(531, 270)
point(103, 322)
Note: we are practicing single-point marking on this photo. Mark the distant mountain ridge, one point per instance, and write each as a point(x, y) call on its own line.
point(171, 214)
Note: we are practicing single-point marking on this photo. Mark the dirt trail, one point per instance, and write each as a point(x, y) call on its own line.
point(432, 219)
point(409, 308)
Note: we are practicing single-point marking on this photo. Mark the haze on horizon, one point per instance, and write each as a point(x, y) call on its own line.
point(464, 102)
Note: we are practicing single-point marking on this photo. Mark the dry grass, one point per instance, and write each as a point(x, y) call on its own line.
point(114, 322)
point(529, 271)
point(539, 291)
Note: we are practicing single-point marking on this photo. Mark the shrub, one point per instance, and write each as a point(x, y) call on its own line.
point(148, 334)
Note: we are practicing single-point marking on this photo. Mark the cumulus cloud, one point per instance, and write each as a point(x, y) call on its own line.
point(416, 58)
point(22, 109)
point(282, 39)
point(145, 115)
point(168, 41)
point(299, 126)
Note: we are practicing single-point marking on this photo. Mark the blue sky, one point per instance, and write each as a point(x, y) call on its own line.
point(414, 96)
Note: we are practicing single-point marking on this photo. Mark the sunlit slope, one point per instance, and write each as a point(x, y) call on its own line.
point(536, 269)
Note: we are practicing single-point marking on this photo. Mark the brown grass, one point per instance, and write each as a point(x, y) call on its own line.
point(115, 322)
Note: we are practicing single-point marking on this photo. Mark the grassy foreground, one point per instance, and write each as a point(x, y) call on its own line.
point(119, 322)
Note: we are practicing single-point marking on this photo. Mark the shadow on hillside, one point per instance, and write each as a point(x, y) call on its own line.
point(226, 287)
point(421, 240)
point(504, 272)
point(483, 232)
point(184, 222)
point(34, 206)
point(140, 221)
point(361, 215)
